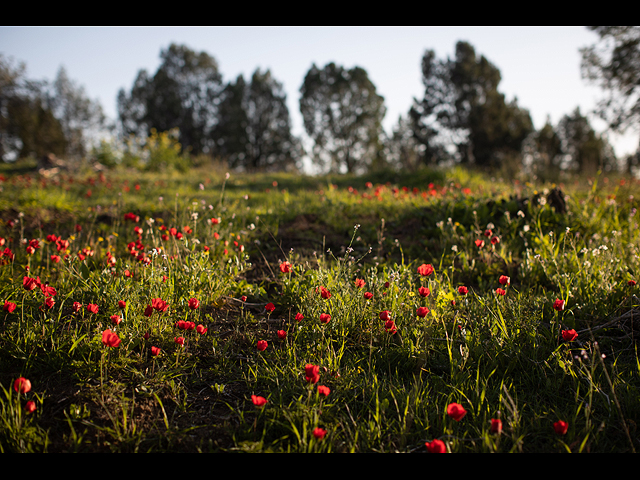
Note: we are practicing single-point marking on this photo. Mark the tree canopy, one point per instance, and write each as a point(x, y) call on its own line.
point(342, 113)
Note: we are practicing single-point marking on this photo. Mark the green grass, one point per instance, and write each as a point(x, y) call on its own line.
point(499, 356)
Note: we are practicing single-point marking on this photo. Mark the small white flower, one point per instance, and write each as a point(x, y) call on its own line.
point(526, 228)
point(454, 248)
point(520, 213)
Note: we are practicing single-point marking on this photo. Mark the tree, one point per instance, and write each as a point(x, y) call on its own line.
point(614, 64)
point(27, 126)
point(462, 108)
point(79, 116)
point(254, 128)
point(403, 151)
point(342, 113)
point(184, 94)
point(545, 149)
point(587, 151)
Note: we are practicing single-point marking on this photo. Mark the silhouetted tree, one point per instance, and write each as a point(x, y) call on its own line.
point(183, 94)
point(462, 107)
point(402, 150)
point(342, 114)
point(545, 149)
point(587, 151)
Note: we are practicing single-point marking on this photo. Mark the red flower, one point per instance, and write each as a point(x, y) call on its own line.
point(92, 308)
point(77, 306)
point(49, 302)
point(269, 307)
point(22, 385)
point(159, 304)
point(324, 391)
point(110, 339)
point(30, 283)
point(390, 327)
point(243, 298)
point(325, 317)
point(360, 283)
point(282, 334)
point(632, 283)
point(262, 345)
point(155, 351)
point(179, 340)
point(560, 427)
point(558, 305)
point(326, 294)
point(312, 373)
point(456, 411)
point(30, 407)
point(500, 291)
point(319, 433)
point(463, 290)
point(148, 311)
point(569, 335)
point(55, 258)
point(201, 329)
point(193, 303)
point(425, 269)
point(258, 401)
point(122, 304)
point(479, 243)
point(422, 311)
point(436, 446)
point(116, 319)
point(495, 241)
point(496, 425)
point(385, 315)
point(9, 306)
point(368, 295)
point(424, 291)
point(285, 267)
point(504, 280)
point(487, 233)
point(299, 317)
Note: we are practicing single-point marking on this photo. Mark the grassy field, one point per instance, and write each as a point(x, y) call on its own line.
point(207, 312)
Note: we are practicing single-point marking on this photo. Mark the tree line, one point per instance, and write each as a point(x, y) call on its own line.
point(462, 116)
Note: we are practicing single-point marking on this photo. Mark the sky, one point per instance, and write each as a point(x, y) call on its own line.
point(540, 66)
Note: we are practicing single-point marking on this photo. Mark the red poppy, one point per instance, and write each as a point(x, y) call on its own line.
point(312, 373)
point(148, 311)
point(500, 291)
point(424, 291)
point(496, 425)
point(9, 306)
point(487, 233)
point(30, 407)
point(269, 307)
point(116, 319)
point(262, 345)
point(179, 340)
point(385, 315)
point(324, 391)
point(436, 446)
point(77, 306)
point(558, 305)
point(422, 311)
point(92, 308)
point(22, 385)
point(479, 243)
point(569, 335)
point(632, 283)
point(159, 304)
point(110, 339)
point(299, 317)
point(319, 433)
point(390, 327)
point(282, 334)
point(193, 303)
point(243, 298)
point(30, 283)
point(49, 302)
point(495, 241)
point(425, 269)
point(561, 427)
point(258, 401)
point(326, 294)
point(325, 317)
point(360, 283)
point(504, 280)
point(368, 295)
point(463, 290)
point(201, 329)
point(456, 411)
point(55, 258)
point(122, 304)
point(285, 267)
point(155, 351)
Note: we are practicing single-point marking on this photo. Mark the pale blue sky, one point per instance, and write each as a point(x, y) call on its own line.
point(539, 65)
